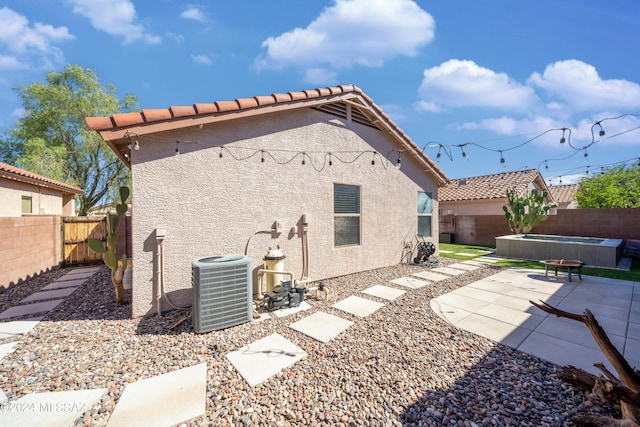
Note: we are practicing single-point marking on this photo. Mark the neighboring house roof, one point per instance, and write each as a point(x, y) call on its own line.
point(564, 194)
point(117, 129)
point(16, 174)
point(490, 186)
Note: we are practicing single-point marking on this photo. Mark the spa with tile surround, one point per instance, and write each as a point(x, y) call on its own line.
point(592, 251)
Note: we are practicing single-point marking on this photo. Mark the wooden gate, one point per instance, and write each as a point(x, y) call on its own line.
point(76, 232)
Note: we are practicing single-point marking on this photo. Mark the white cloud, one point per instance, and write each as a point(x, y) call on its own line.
point(114, 17)
point(193, 12)
point(202, 59)
point(320, 77)
point(364, 32)
point(394, 111)
point(30, 46)
point(18, 113)
point(579, 86)
point(458, 83)
point(10, 62)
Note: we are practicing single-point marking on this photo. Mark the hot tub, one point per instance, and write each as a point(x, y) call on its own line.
point(592, 251)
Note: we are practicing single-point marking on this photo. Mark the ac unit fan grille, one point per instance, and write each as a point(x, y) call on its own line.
point(222, 294)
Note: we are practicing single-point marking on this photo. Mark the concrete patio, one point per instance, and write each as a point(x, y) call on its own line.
point(498, 308)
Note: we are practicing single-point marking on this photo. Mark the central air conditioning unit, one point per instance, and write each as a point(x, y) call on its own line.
point(221, 292)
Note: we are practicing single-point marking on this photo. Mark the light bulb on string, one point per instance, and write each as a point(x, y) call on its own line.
point(503, 164)
point(262, 156)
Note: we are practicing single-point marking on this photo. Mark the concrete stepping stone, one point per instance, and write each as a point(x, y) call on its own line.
point(442, 251)
point(464, 266)
point(449, 271)
point(80, 273)
point(466, 254)
point(17, 328)
point(51, 409)
point(357, 306)
point(163, 400)
point(410, 282)
point(384, 292)
point(34, 308)
point(488, 259)
point(321, 326)
point(474, 262)
point(58, 284)
point(43, 295)
point(429, 275)
point(283, 312)
point(6, 349)
point(258, 361)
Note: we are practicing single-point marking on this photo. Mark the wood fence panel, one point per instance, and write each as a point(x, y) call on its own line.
point(76, 234)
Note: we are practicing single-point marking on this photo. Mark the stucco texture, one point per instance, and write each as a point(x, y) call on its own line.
point(44, 201)
point(210, 205)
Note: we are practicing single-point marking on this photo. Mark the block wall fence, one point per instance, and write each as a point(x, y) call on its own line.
point(483, 229)
point(32, 245)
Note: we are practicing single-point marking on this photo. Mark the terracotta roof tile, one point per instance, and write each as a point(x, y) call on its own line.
point(227, 105)
point(156, 115)
point(99, 123)
point(489, 186)
point(564, 193)
point(295, 96)
point(265, 100)
point(282, 97)
point(183, 111)
point(205, 108)
point(127, 119)
point(247, 103)
point(14, 173)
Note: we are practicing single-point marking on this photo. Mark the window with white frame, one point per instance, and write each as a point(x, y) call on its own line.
point(425, 211)
point(346, 210)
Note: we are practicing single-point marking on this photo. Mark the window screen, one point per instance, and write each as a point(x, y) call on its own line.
point(425, 210)
point(27, 205)
point(346, 209)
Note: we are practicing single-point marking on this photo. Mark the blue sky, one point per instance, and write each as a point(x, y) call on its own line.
point(492, 74)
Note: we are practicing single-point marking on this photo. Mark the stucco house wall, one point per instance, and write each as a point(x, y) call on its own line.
point(44, 201)
point(212, 205)
point(48, 197)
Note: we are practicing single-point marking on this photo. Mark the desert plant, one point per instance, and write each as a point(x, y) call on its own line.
point(526, 211)
point(109, 255)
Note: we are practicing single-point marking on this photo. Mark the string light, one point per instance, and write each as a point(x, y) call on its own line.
point(177, 147)
point(502, 161)
point(262, 156)
point(303, 162)
point(330, 162)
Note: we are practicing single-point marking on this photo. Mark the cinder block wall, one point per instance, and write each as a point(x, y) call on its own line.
point(28, 246)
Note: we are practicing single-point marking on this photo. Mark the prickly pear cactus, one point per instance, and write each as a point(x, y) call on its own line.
point(526, 211)
point(109, 255)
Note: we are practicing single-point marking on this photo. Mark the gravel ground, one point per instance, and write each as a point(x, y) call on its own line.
point(402, 365)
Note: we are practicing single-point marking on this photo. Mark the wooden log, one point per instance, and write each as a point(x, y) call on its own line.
point(624, 392)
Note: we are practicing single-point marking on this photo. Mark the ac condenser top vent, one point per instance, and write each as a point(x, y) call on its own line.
point(221, 292)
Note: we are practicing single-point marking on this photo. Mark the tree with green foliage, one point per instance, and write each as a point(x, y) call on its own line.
point(53, 140)
point(616, 188)
point(524, 212)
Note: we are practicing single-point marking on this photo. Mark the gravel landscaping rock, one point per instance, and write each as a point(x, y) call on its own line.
point(402, 365)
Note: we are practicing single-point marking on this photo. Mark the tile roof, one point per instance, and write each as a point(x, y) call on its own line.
point(16, 174)
point(564, 193)
point(489, 186)
point(114, 130)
